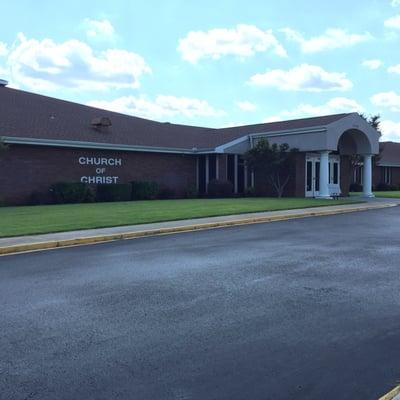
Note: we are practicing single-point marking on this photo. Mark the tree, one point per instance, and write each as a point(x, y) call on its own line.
point(275, 161)
point(3, 147)
point(373, 120)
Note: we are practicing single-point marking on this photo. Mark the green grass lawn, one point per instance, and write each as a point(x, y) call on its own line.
point(392, 194)
point(26, 220)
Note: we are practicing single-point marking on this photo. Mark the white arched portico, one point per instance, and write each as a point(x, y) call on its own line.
point(325, 145)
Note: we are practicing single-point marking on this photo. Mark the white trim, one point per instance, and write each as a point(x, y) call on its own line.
point(95, 145)
point(221, 148)
point(288, 132)
point(388, 165)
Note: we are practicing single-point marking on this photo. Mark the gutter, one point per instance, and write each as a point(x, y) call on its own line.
point(101, 146)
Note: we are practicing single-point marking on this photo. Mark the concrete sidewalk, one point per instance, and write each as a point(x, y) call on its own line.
point(90, 236)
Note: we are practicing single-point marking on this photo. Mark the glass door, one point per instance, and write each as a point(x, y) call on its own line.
point(312, 176)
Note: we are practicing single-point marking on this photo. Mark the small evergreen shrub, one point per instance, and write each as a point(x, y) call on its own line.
point(385, 187)
point(38, 198)
point(114, 192)
point(220, 188)
point(191, 192)
point(166, 193)
point(250, 192)
point(71, 192)
point(144, 190)
point(356, 187)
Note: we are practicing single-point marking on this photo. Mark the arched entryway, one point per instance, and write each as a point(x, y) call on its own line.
point(355, 142)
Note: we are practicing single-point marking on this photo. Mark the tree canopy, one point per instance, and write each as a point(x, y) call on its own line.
point(3, 146)
point(273, 161)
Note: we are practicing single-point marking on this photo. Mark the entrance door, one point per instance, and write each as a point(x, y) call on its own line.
point(312, 176)
point(312, 173)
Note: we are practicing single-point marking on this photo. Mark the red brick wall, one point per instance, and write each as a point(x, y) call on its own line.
point(345, 178)
point(377, 176)
point(24, 169)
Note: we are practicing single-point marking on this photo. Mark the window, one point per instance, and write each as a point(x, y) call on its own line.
point(387, 175)
point(335, 173)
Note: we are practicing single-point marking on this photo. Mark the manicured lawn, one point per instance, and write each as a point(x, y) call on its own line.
point(15, 221)
point(392, 194)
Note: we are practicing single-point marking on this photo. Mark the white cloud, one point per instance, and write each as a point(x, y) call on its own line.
point(98, 28)
point(161, 107)
point(390, 100)
point(332, 38)
point(46, 65)
point(372, 64)
point(336, 105)
point(242, 41)
point(393, 22)
point(304, 77)
point(390, 131)
point(3, 49)
point(395, 3)
point(246, 105)
point(394, 69)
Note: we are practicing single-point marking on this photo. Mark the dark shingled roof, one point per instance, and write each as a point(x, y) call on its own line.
point(29, 115)
point(389, 153)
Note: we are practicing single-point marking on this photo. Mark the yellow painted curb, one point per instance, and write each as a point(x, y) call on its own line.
point(391, 394)
point(52, 244)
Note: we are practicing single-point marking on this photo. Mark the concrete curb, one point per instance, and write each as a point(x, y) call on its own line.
point(392, 394)
point(52, 244)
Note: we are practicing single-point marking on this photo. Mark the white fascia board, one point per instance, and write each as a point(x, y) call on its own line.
point(378, 164)
point(95, 145)
point(223, 147)
point(288, 132)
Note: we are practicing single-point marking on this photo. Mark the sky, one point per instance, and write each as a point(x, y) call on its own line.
point(209, 63)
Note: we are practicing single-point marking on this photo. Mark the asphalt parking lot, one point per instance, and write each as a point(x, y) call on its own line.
point(301, 309)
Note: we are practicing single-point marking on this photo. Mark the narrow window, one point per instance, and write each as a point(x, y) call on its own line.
point(335, 173)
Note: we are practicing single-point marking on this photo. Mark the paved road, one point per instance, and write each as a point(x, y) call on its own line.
point(302, 309)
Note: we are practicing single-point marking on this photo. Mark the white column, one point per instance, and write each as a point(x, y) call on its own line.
point(217, 166)
point(245, 177)
point(252, 178)
point(207, 172)
point(235, 186)
point(367, 176)
point(324, 175)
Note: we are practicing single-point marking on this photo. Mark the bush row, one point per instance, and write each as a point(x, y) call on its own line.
point(381, 187)
point(77, 192)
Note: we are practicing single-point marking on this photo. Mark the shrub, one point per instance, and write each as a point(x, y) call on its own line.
point(144, 190)
point(250, 192)
point(166, 193)
point(38, 198)
point(72, 192)
point(356, 187)
point(385, 187)
point(220, 188)
point(191, 192)
point(114, 192)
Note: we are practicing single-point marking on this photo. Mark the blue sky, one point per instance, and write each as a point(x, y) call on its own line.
point(210, 63)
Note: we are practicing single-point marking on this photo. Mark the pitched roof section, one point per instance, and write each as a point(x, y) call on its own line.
point(389, 154)
point(28, 115)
